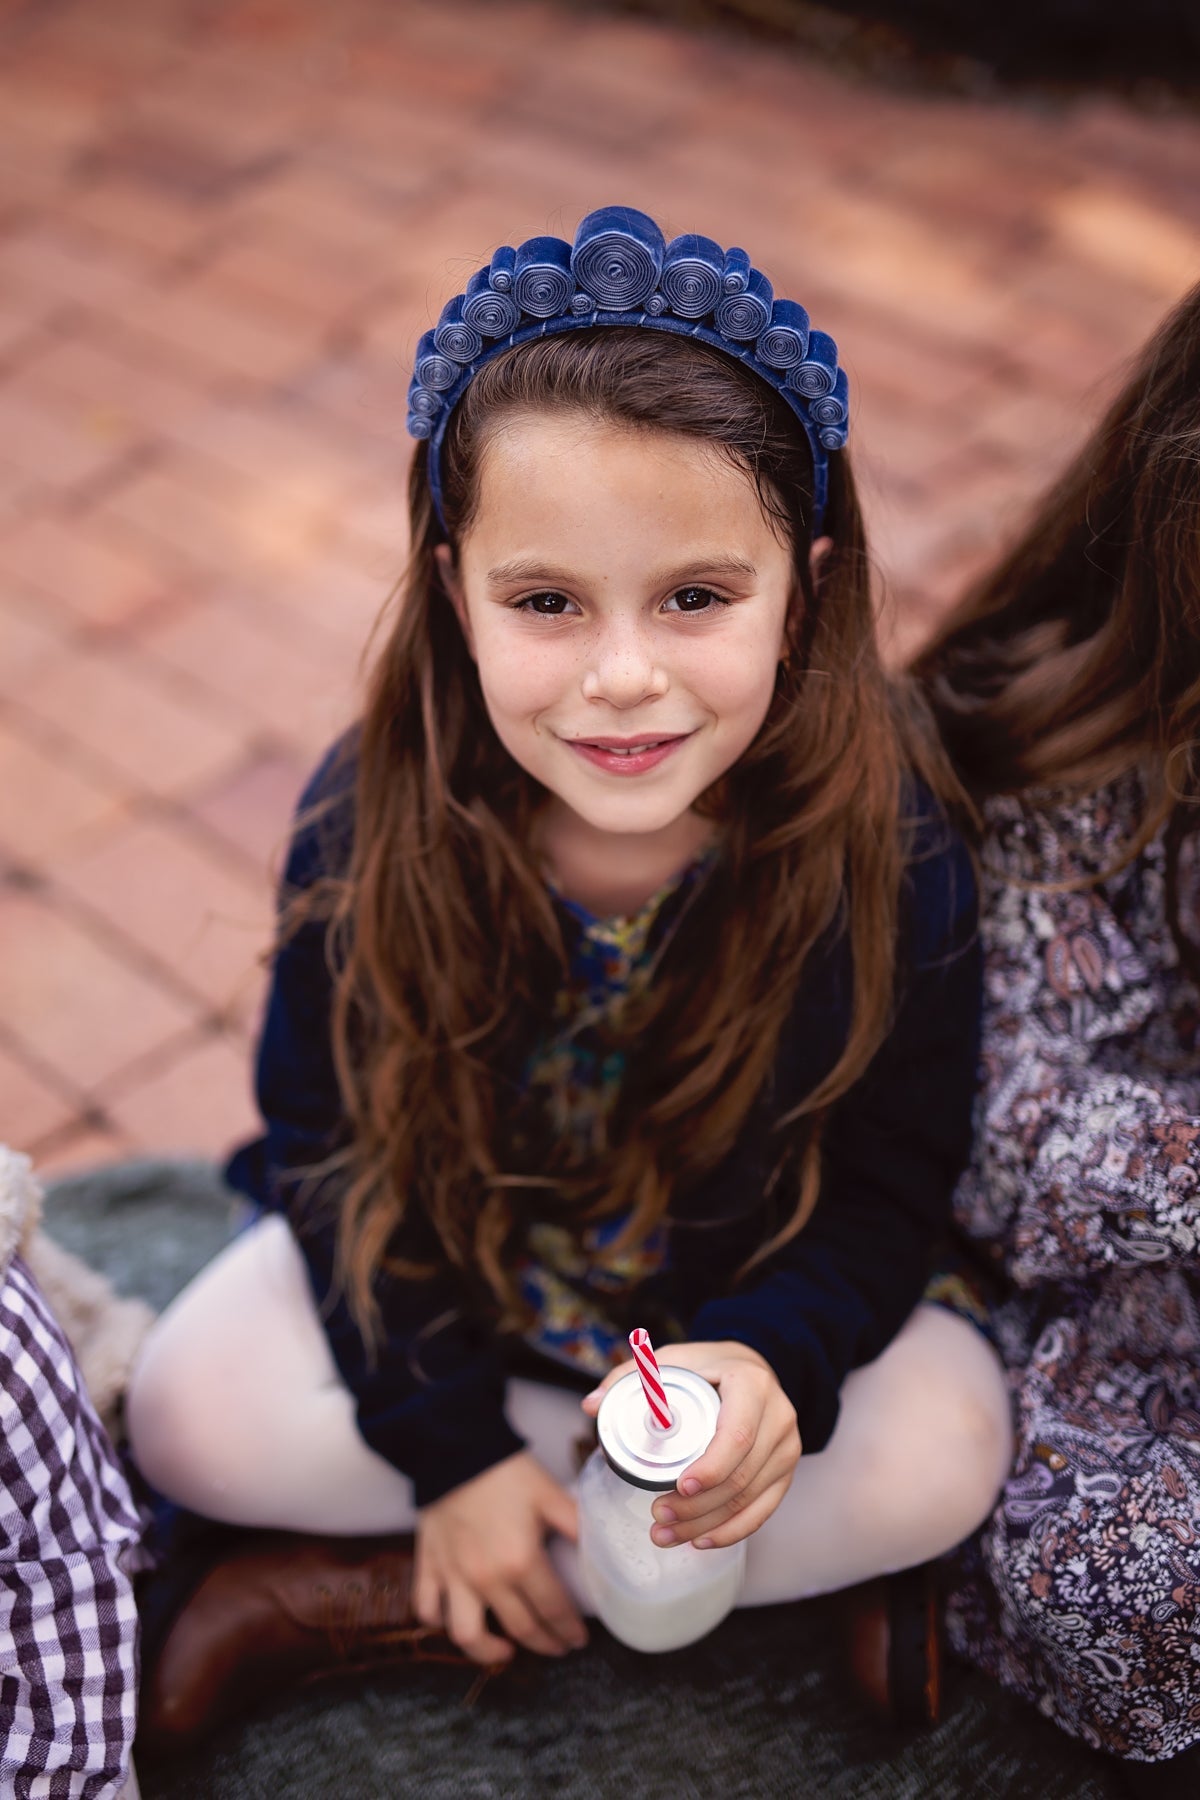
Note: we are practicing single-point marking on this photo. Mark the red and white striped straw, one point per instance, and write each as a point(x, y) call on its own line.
point(652, 1382)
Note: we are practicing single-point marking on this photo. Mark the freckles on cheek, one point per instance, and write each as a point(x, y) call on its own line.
point(519, 684)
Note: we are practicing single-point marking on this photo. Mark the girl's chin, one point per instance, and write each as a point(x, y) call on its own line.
point(627, 820)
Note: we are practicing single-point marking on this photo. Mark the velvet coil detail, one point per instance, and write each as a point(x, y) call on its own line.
point(743, 316)
point(621, 271)
point(785, 340)
point(618, 257)
point(693, 276)
point(453, 336)
point(491, 311)
point(543, 283)
point(817, 373)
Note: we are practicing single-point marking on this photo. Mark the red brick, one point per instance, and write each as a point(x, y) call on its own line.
point(338, 595)
point(76, 1149)
point(29, 639)
point(1037, 429)
point(278, 682)
point(189, 911)
point(197, 1102)
point(1119, 235)
point(212, 522)
point(373, 523)
point(86, 382)
point(212, 331)
point(22, 321)
point(285, 450)
point(30, 1108)
point(897, 447)
point(272, 271)
point(70, 268)
point(50, 127)
point(41, 445)
point(368, 389)
point(96, 581)
point(332, 212)
point(162, 156)
point(78, 1008)
point(46, 803)
point(146, 223)
point(142, 729)
point(881, 255)
point(21, 494)
point(252, 808)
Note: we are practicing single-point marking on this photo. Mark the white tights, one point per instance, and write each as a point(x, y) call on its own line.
point(236, 1410)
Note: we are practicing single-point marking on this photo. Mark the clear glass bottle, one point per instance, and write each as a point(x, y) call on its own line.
point(650, 1598)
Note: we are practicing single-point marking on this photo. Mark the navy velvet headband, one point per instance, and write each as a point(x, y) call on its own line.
point(621, 271)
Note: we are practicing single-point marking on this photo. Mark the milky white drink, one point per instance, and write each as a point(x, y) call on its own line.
point(651, 1599)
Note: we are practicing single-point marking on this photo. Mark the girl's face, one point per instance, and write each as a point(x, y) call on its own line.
point(624, 599)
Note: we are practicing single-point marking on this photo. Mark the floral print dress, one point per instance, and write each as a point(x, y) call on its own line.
point(1082, 1592)
point(578, 1287)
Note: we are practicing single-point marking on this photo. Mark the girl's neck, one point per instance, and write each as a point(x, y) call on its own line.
point(611, 874)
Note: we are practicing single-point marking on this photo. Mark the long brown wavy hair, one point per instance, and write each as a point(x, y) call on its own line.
point(445, 941)
point(1077, 658)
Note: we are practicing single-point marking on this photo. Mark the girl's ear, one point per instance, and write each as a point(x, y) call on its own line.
point(816, 556)
point(448, 575)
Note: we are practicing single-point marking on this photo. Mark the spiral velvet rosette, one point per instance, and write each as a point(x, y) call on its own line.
point(618, 257)
point(816, 374)
point(692, 278)
point(491, 311)
point(543, 283)
point(621, 271)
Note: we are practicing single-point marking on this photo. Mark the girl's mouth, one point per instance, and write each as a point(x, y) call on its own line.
point(629, 756)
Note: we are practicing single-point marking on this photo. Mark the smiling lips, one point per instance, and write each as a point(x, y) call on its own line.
point(627, 756)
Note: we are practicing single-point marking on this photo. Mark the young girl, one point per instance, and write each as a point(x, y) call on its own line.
point(626, 977)
point(1069, 693)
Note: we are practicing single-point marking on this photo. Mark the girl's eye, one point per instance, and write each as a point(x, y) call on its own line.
point(696, 600)
point(547, 606)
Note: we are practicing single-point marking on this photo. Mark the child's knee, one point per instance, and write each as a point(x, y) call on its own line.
point(172, 1418)
point(978, 1440)
point(941, 1470)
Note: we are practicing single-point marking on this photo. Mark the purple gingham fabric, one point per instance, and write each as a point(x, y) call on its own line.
point(68, 1536)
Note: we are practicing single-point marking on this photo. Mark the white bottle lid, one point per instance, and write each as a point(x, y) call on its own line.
point(637, 1448)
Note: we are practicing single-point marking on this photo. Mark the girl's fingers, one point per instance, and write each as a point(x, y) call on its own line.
point(738, 1425)
point(553, 1605)
point(523, 1625)
point(732, 1500)
point(427, 1599)
point(679, 1510)
point(732, 1531)
point(467, 1627)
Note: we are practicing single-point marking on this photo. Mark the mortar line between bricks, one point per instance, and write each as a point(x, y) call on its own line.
point(47, 1073)
point(125, 949)
point(50, 732)
point(112, 1088)
point(142, 803)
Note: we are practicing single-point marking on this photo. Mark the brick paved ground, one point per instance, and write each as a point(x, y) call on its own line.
point(222, 227)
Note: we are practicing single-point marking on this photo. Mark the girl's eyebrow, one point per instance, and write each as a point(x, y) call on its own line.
point(525, 568)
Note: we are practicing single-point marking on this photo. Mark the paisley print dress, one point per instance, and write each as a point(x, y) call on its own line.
point(1083, 1590)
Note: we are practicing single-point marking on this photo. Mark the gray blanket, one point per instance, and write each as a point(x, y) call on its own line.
point(758, 1710)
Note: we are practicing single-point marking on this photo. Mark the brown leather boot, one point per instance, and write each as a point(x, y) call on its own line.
point(893, 1634)
point(275, 1609)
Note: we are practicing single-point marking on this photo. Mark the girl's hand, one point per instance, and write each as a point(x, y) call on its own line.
point(747, 1469)
point(481, 1547)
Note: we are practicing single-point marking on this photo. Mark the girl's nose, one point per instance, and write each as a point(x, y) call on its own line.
point(622, 670)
